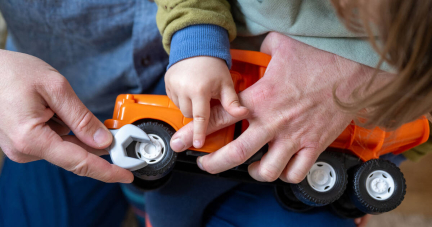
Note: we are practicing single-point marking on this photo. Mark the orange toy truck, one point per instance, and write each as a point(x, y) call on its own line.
point(142, 126)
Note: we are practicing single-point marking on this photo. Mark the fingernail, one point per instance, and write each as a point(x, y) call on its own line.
point(197, 143)
point(177, 144)
point(199, 163)
point(102, 137)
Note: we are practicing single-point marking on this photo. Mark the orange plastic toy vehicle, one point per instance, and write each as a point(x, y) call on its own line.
point(143, 126)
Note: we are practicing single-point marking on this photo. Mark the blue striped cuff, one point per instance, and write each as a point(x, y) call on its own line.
point(200, 40)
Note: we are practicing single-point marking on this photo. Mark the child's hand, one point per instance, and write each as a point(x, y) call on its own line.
point(193, 82)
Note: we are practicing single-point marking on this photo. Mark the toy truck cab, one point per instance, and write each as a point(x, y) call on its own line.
point(143, 126)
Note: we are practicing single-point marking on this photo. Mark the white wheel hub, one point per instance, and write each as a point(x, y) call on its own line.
point(380, 185)
point(321, 177)
point(152, 153)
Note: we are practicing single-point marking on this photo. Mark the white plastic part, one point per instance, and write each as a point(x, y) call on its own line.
point(380, 185)
point(123, 137)
point(153, 152)
point(321, 177)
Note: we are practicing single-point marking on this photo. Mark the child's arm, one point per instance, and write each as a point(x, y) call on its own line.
point(196, 33)
point(174, 15)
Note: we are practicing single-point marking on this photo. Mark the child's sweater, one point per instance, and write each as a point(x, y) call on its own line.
point(313, 22)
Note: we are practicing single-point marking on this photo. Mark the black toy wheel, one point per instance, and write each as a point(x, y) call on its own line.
point(149, 185)
point(377, 186)
point(325, 182)
point(159, 156)
point(287, 199)
point(344, 208)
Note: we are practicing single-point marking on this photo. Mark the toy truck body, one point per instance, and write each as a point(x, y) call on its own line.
point(157, 116)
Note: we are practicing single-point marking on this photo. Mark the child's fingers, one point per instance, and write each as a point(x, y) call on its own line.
point(186, 107)
point(231, 102)
point(201, 115)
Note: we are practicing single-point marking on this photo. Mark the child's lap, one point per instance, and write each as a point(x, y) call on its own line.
point(255, 205)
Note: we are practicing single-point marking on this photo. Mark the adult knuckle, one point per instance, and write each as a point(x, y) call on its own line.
point(58, 84)
point(21, 144)
point(56, 87)
point(268, 173)
point(52, 73)
point(200, 89)
point(295, 177)
point(314, 144)
point(83, 121)
point(82, 168)
point(183, 88)
point(286, 118)
point(199, 118)
point(238, 154)
point(312, 153)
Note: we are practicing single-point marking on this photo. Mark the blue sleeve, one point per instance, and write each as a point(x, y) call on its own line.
point(200, 40)
point(396, 159)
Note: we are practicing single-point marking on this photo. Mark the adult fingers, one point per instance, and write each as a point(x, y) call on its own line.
point(201, 115)
point(299, 165)
point(219, 118)
point(61, 98)
point(231, 102)
point(75, 140)
point(271, 165)
point(236, 152)
point(76, 159)
point(186, 107)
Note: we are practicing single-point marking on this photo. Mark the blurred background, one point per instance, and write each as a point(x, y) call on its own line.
point(3, 32)
point(416, 209)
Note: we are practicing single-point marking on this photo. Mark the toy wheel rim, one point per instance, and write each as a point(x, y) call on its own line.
point(380, 185)
point(152, 153)
point(321, 177)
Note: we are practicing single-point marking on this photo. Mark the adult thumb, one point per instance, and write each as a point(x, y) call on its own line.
point(61, 98)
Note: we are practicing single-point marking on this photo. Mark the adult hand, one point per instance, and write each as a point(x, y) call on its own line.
point(291, 108)
point(31, 92)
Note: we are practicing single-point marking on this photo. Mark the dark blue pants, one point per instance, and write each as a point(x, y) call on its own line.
point(255, 206)
point(41, 194)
